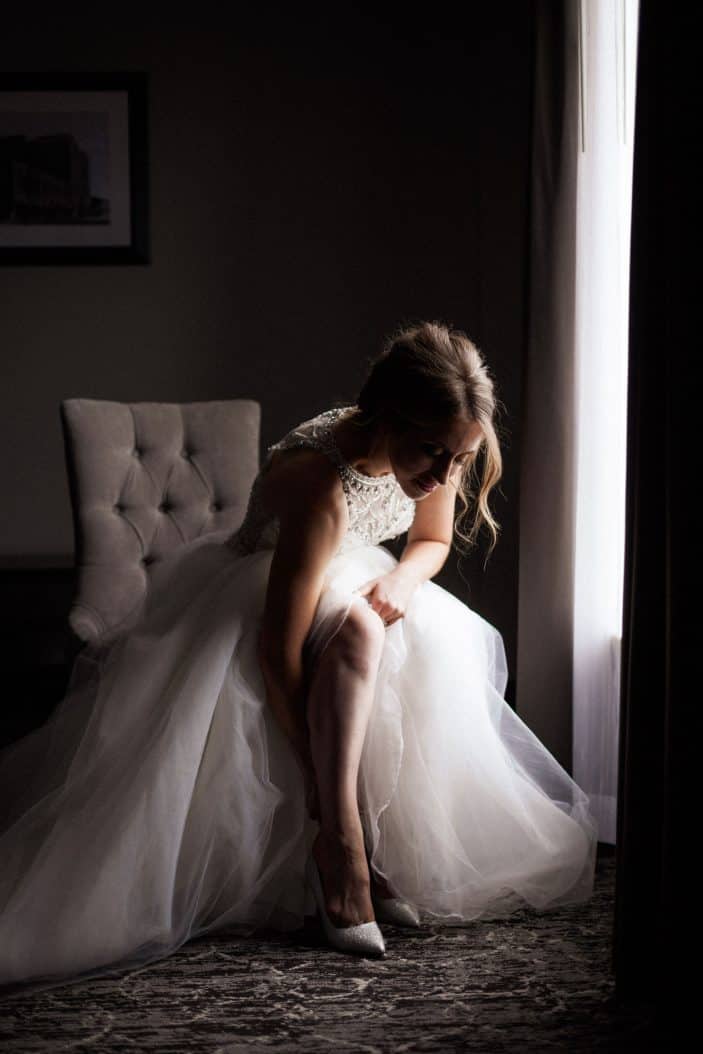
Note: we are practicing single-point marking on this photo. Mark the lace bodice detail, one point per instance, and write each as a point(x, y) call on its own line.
point(378, 507)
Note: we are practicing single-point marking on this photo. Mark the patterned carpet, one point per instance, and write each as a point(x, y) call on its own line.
point(527, 983)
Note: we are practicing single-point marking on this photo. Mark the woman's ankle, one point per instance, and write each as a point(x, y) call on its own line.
point(340, 842)
point(345, 878)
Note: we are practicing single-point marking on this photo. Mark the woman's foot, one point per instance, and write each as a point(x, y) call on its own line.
point(344, 873)
point(388, 906)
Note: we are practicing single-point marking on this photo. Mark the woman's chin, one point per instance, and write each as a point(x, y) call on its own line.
point(412, 489)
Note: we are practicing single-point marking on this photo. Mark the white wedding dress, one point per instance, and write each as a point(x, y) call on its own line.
point(161, 800)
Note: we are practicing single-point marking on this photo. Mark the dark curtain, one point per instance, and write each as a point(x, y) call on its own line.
point(657, 950)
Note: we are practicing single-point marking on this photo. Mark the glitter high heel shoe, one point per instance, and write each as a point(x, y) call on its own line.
point(364, 939)
point(395, 911)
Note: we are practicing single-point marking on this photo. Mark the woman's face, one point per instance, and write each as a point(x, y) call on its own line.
point(424, 457)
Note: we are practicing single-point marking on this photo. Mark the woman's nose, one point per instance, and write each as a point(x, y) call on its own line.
point(441, 471)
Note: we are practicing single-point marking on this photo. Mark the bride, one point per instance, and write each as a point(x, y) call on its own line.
point(297, 721)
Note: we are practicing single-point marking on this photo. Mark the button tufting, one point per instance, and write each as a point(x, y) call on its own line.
point(165, 507)
point(118, 507)
point(137, 452)
point(185, 454)
point(216, 506)
point(146, 560)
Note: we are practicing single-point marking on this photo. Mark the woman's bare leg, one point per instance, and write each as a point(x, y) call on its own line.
point(339, 701)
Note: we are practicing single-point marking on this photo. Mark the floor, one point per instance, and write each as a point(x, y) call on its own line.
point(527, 983)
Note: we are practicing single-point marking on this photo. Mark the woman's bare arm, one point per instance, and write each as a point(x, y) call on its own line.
point(312, 512)
point(430, 535)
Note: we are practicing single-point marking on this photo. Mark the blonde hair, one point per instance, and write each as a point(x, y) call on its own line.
point(430, 372)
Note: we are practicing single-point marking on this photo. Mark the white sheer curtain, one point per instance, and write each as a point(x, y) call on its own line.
point(607, 63)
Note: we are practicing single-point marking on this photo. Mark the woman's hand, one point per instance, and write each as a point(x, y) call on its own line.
point(312, 801)
point(294, 725)
point(304, 759)
point(389, 594)
point(301, 745)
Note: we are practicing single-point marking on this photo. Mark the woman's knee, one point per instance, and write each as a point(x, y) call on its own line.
point(359, 640)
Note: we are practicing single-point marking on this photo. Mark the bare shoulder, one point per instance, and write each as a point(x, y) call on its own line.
point(302, 481)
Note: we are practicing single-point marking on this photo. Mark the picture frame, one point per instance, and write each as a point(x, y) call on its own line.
point(74, 168)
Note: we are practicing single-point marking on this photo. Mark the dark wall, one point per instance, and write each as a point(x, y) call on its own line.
point(312, 185)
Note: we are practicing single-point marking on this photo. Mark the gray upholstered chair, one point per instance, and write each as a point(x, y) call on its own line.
point(144, 479)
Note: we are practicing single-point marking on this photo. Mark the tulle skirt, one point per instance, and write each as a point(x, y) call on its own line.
point(161, 800)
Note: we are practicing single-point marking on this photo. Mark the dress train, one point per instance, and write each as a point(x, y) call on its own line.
point(161, 800)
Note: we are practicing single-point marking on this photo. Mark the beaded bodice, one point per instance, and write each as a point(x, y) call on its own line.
point(378, 507)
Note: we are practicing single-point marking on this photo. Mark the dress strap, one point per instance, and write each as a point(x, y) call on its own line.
point(325, 441)
point(315, 433)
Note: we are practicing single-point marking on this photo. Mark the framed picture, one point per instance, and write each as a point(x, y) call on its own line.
point(73, 168)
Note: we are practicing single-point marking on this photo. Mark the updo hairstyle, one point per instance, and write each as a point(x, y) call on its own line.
point(429, 373)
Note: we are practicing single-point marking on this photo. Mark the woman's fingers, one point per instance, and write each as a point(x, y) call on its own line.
point(367, 587)
point(388, 614)
point(313, 804)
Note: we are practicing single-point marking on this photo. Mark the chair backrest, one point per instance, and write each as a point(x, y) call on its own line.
point(145, 478)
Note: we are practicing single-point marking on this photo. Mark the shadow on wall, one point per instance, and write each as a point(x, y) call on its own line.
point(38, 646)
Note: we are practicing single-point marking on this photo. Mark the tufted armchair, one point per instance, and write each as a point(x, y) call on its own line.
point(144, 479)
